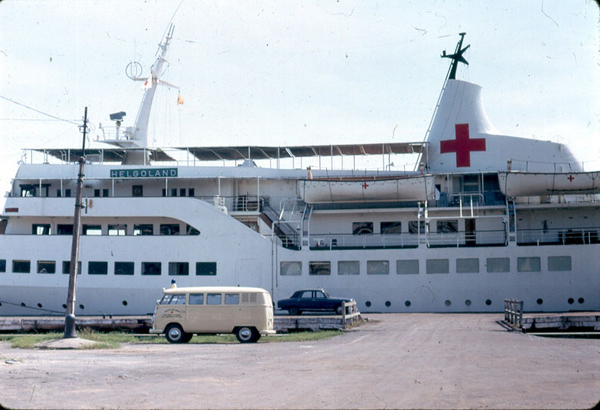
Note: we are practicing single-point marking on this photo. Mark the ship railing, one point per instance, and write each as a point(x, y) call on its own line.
point(341, 241)
point(241, 203)
point(513, 312)
point(460, 239)
point(558, 236)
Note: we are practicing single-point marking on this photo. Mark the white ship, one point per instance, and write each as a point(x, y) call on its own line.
point(483, 217)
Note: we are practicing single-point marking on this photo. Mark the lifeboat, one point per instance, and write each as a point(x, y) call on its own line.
point(328, 190)
point(519, 183)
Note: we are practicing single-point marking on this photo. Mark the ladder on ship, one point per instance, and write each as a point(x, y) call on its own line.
point(511, 214)
point(306, 224)
point(283, 229)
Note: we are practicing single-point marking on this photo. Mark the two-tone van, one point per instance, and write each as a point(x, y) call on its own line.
point(183, 312)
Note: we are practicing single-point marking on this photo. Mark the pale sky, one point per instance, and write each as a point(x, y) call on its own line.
point(295, 73)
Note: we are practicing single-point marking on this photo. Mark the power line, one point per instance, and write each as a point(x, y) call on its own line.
point(38, 111)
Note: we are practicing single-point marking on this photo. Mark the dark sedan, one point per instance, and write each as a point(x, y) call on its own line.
point(311, 300)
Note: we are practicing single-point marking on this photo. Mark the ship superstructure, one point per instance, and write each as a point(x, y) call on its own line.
point(483, 217)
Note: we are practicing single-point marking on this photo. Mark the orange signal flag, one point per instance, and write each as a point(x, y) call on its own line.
point(179, 99)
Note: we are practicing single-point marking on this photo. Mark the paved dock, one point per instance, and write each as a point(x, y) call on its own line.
point(394, 361)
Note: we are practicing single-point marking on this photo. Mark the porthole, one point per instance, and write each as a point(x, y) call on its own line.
point(468, 302)
point(540, 301)
point(368, 303)
point(39, 305)
point(447, 303)
point(581, 300)
point(23, 304)
point(488, 302)
point(81, 307)
point(0, 303)
point(64, 306)
point(407, 303)
point(124, 303)
point(571, 301)
point(388, 303)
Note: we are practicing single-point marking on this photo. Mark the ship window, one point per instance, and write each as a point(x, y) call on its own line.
point(206, 268)
point(415, 226)
point(437, 266)
point(378, 267)
point(471, 183)
point(196, 298)
point(46, 267)
point(362, 228)
point(213, 299)
point(151, 268)
point(2, 265)
point(143, 229)
point(40, 229)
point(97, 268)
point(495, 265)
point(66, 267)
point(191, 192)
point(391, 228)
point(173, 191)
point(169, 229)
point(137, 190)
point(232, 298)
point(96, 193)
point(124, 268)
point(58, 193)
point(117, 230)
point(164, 192)
point(105, 192)
point(21, 266)
point(179, 268)
point(68, 192)
point(92, 230)
point(319, 268)
point(28, 190)
point(528, 264)
point(290, 268)
point(181, 191)
point(559, 263)
point(407, 267)
point(348, 267)
point(64, 229)
point(447, 226)
point(467, 265)
point(190, 230)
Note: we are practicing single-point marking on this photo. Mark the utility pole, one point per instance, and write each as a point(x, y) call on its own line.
point(70, 328)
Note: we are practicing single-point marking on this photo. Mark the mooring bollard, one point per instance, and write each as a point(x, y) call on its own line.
point(70, 328)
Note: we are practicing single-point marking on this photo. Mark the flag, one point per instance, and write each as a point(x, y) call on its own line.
point(147, 83)
point(179, 99)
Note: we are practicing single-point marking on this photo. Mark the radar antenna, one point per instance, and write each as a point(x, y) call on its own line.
point(456, 57)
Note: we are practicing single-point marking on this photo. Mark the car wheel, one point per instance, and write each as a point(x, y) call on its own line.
point(294, 311)
point(247, 334)
point(339, 309)
point(175, 334)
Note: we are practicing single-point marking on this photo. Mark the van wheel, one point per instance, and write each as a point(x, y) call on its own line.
point(247, 334)
point(175, 334)
point(294, 311)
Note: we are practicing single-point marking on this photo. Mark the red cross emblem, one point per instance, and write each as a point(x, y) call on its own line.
point(462, 145)
point(570, 178)
point(365, 185)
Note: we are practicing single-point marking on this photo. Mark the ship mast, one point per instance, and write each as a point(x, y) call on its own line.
point(456, 57)
point(140, 133)
point(135, 139)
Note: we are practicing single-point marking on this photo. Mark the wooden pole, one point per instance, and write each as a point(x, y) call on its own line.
point(70, 328)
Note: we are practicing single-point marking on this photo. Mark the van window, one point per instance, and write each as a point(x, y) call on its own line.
point(174, 300)
point(232, 298)
point(196, 298)
point(213, 299)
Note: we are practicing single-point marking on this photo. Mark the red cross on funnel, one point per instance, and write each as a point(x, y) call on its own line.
point(462, 145)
